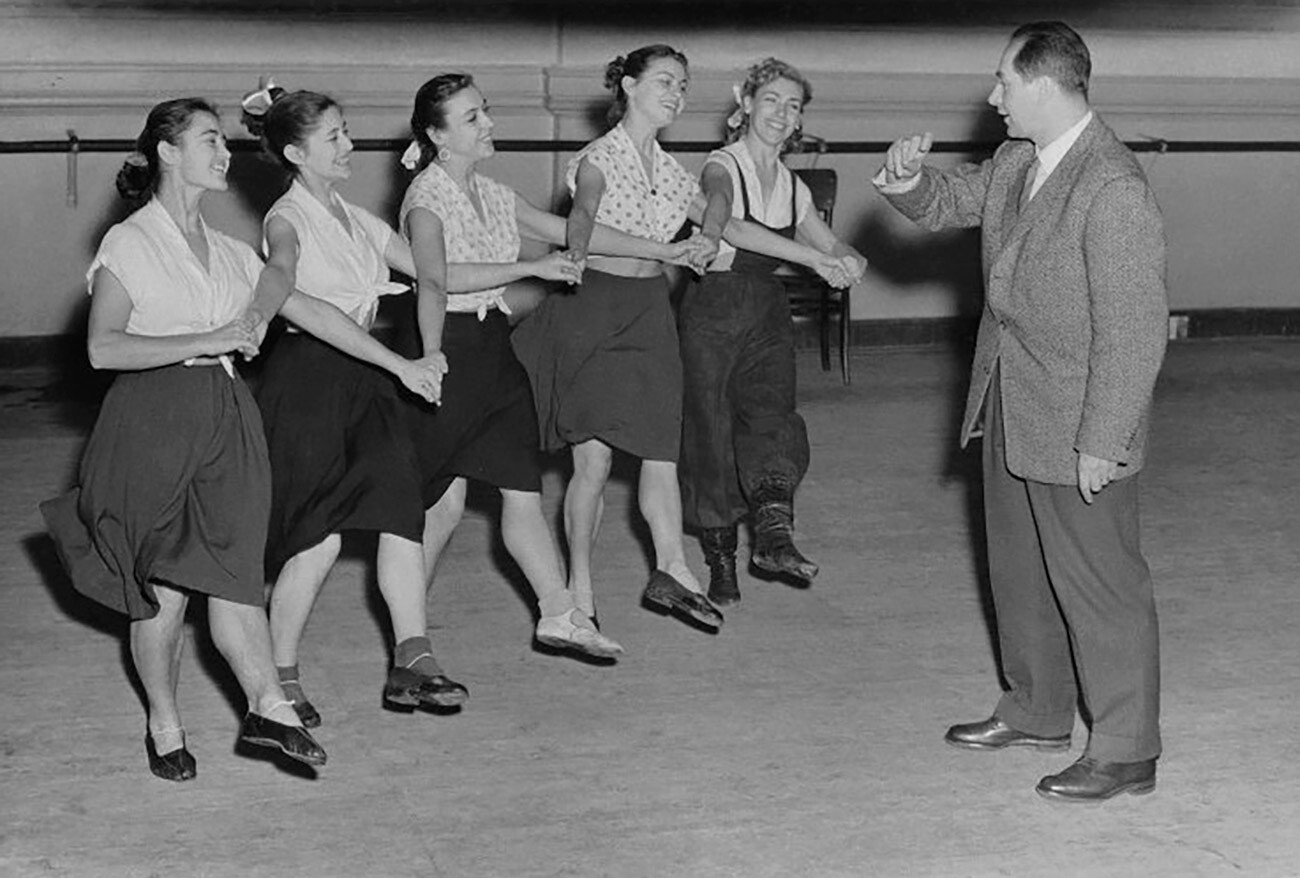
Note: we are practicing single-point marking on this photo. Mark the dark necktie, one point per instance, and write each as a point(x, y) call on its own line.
point(1031, 173)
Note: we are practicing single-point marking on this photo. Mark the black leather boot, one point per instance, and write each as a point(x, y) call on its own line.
point(719, 544)
point(774, 550)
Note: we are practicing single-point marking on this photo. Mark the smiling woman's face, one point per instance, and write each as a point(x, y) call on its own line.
point(467, 133)
point(659, 94)
point(200, 158)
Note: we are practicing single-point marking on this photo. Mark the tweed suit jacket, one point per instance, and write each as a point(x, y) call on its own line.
point(1075, 311)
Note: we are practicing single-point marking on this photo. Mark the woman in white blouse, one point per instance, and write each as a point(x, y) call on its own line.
point(465, 231)
point(173, 491)
point(604, 362)
point(340, 446)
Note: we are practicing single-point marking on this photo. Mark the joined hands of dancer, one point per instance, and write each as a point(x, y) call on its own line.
point(695, 253)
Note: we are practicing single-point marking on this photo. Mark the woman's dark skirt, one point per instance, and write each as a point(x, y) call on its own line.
point(174, 489)
point(485, 429)
point(341, 454)
point(604, 364)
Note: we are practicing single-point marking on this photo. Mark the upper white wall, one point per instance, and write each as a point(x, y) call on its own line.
point(96, 67)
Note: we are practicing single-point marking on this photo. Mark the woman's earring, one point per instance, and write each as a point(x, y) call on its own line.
point(443, 153)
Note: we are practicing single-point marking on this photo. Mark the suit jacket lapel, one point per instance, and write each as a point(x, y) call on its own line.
point(1016, 223)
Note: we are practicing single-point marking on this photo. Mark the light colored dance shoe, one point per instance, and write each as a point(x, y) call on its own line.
point(561, 632)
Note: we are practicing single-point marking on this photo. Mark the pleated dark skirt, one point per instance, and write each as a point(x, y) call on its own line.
point(485, 428)
point(604, 364)
point(340, 448)
point(174, 489)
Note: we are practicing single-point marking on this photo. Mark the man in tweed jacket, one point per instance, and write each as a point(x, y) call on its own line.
point(1072, 336)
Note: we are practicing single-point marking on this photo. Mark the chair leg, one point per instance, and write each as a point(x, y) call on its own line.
point(846, 330)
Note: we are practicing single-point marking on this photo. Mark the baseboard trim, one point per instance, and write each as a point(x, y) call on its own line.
point(1233, 322)
point(20, 351)
point(69, 350)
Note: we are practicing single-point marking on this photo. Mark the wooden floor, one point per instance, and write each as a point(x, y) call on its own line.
point(803, 740)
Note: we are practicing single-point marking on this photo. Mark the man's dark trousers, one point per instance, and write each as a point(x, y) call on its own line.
point(1069, 579)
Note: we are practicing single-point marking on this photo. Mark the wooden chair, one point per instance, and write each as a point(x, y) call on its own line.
point(809, 294)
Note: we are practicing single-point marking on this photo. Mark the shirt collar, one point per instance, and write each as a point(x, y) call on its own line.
point(153, 213)
point(301, 194)
point(1050, 156)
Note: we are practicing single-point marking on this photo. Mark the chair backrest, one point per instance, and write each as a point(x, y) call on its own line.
point(822, 183)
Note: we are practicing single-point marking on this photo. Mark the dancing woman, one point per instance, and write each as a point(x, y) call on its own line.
point(604, 361)
point(744, 446)
point(341, 454)
point(173, 493)
point(465, 230)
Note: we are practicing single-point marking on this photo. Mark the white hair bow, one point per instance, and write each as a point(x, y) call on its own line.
point(738, 115)
point(258, 102)
point(411, 158)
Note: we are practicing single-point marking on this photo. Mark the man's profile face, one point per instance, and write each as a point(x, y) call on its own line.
point(1014, 97)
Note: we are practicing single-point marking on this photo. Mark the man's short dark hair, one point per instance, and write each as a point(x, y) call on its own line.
point(1053, 48)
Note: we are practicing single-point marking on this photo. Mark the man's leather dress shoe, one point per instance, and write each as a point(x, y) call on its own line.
point(1091, 780)
point(994, 734)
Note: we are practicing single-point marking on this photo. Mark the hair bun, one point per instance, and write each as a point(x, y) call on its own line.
point(614, 73)
point(135, 177)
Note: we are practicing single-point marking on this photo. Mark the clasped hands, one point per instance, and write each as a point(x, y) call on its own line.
point(840, 271)
point(697, 251)
point(423, 377)
point(242, 336)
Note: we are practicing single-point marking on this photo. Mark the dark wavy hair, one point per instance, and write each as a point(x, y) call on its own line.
point(290, 120)
point(1053, 48)
point(758, 75)
point(430, 110)
point(138, 177)
point(634, 64)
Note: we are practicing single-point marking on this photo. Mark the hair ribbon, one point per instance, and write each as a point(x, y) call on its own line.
point(258, 102)
point(411, 158)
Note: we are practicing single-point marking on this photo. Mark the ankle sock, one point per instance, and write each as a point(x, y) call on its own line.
point(416, 653)
point(167, 740)
point(289, 683)
point(558, 604)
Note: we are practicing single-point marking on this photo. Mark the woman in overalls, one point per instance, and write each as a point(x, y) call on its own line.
point(744, 446)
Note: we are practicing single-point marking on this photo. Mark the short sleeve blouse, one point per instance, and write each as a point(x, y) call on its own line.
point(343, 266)
point(775, 212)
point(468, 237)
point(633, 203)
point(171, 292)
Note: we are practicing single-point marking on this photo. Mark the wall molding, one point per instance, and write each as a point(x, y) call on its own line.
point(859, 105)
point(43, 88)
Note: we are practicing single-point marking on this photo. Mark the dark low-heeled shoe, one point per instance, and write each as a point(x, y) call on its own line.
point(408, 688)
point(308, 713)
point(994, 734)
point(1095, 780)
point(293, 741)
point(178, 765)
point(666, 593)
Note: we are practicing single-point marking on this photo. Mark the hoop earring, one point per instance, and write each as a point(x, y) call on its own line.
point(443, 154)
